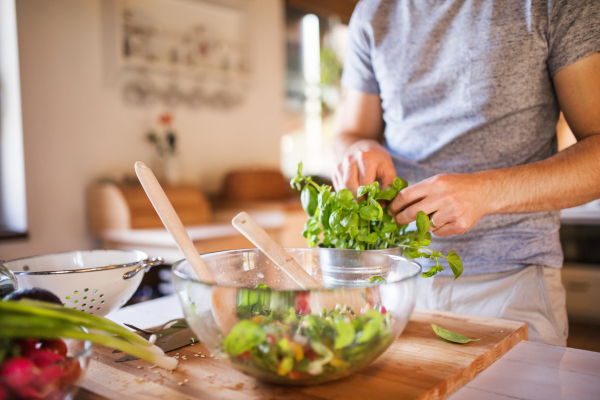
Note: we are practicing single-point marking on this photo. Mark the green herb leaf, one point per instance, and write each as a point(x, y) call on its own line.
point(377, 279)
point(422, 224)
point(455, 264)
point(387, 194)
point(262, 286)
point(371, 238)
point(345, 334)
point(323, 198)
point(369, 213)
point(309, 199)
point(335, 218)
point(324, 217)
point(244, 336)
point(389, 227)
point(345, 195)
point(432, 271)
point(350, 220)
point(451, 336)
point(362, 190)
point(399, 184)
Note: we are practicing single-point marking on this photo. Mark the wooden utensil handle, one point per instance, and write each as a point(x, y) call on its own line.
point(261, 239)
point(169, 217)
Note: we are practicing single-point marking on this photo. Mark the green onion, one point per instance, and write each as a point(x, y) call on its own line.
point(33, 319)
point(45, 309)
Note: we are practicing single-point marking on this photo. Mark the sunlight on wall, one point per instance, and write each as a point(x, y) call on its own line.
point(13, 215)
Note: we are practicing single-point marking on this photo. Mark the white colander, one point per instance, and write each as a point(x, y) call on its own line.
point(95, 281)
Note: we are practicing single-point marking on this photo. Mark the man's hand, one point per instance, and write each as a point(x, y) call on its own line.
point(455, 202)
point(362, 160)
point(366, 162)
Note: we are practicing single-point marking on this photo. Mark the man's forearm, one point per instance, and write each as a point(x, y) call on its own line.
point(567, 179)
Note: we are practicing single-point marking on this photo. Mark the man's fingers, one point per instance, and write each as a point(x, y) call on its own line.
point(349, 175)
point(406, 197)
point(448, 229)
point(436, 221)
point(409, 214)
point(387, 176)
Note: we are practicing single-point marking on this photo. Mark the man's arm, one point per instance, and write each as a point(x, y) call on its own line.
point(361, 158)
point(570, 178)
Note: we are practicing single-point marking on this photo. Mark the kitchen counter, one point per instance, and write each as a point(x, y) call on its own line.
point(528, 371)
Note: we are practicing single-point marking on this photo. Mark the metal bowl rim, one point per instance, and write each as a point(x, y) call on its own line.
point(76, 271)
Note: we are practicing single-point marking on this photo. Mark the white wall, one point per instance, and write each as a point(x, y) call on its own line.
point(77, 128)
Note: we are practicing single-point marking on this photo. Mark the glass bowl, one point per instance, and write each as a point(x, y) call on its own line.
point(285, 335)
point(35, 374)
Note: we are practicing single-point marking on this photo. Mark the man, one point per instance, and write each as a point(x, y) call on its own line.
point(461, 98)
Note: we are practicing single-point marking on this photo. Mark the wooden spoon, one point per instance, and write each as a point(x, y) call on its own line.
point(261, 239)
point(224, 305)
point(284, 260)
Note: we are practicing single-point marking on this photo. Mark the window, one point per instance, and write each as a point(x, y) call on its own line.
point(315, 47)
point(13, 213)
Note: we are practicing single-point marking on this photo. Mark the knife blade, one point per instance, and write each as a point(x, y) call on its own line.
point(174, 337)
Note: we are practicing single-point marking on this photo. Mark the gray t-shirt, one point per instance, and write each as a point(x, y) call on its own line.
point(467, 86)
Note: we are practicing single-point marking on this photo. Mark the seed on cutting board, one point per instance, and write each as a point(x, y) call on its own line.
point(152, 366)
point(139, 367)
point(184, 358)
point(202, 356)
point(186, 380)
point(196, 355)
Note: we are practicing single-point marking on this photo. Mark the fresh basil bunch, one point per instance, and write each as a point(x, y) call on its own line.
point(337, 220)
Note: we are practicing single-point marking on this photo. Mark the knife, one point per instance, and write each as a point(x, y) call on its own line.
point(173, 335)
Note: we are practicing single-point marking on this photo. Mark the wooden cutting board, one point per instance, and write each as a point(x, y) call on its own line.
point(418, 365)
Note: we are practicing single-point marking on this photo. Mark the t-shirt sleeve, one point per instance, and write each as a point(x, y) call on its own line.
point(358, 70)
point(574, 32)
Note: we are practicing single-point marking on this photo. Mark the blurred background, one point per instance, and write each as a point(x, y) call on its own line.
point(222, 98)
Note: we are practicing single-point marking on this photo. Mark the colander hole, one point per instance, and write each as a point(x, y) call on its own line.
point(68, 297)
point(98, 309)
point(85, 297)
point(25, 267)
point(101, 295)
point(83, 305)
point(74, 308)
point(102, 302)
point(93, 300)
point(64, 304)
point(76, 301)
point(96, 291)
point(76, 292)
point(82, 310)
point(92, 307)
point(86, 289)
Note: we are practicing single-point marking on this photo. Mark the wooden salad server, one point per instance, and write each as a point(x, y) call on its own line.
point(284, 260)
point(224, 303)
